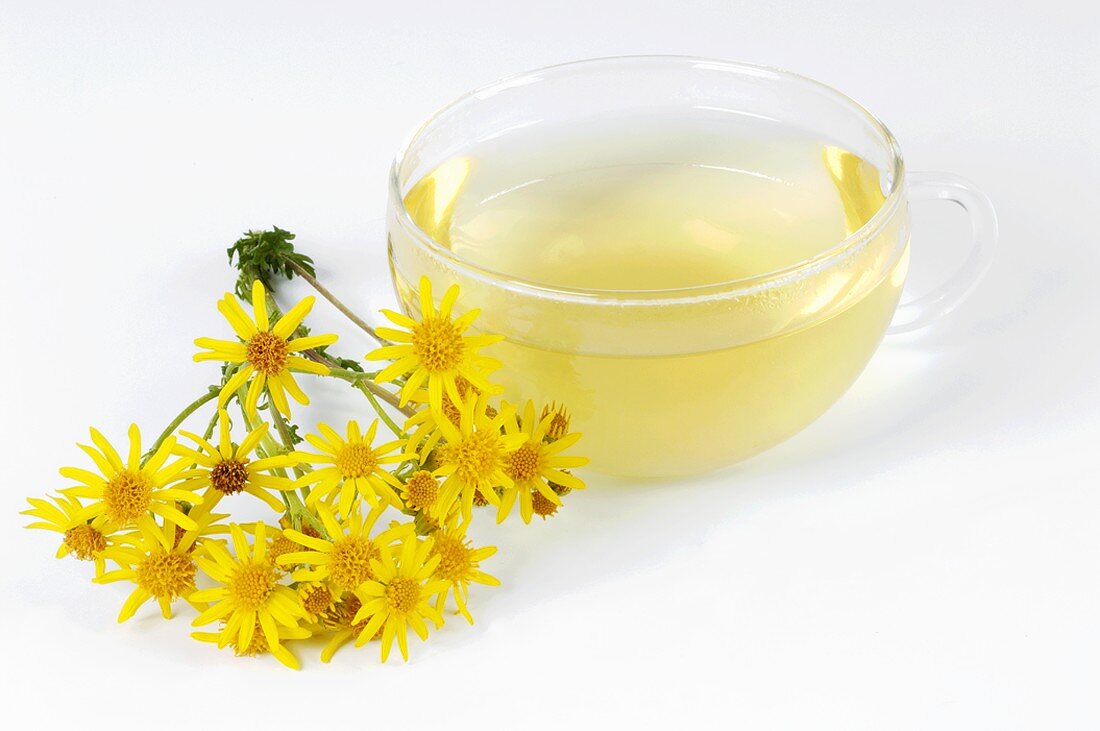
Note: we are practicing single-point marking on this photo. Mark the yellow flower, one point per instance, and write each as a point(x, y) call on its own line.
point(341, 622)
point(423, 426)
point(127, 492)
point(226, 470)
point(435, 350)
point(266, 350)
point(398, 597)
point(258, 644)
point(249, 597)
point(350, 467)
point(278, 544)
point(420, 492)
point(559, 424)
point(318, 599)
point(85, 535)
point(160, 561)
point(474, 458)
point(537, 463)
point(344, 560)
point(460, 565)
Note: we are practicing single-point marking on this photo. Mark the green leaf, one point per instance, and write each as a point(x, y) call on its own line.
point(265, 255)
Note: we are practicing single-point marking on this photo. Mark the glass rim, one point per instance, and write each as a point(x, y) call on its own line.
point(744, 286)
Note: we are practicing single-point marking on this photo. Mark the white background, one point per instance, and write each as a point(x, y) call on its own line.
point(927, 555)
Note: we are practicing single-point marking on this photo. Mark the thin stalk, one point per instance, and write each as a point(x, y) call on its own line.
point(365, 383)
point(190, 409)
point(370, 389)
point(295, 505)
point(359, 322)
point(211, 426)
point(267, 446)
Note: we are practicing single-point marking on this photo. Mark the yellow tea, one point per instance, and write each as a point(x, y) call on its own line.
point(621, 215)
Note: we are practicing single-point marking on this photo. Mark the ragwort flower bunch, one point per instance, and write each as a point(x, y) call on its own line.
point(367, 534)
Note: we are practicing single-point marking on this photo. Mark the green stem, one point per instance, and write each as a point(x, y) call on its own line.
point(365, 383)
point(190, 409)
point(359, 380)
point(295, 506)
point(267, 446)
point(283, 429)
point(358, 321)
point(211, 427)
point(365, 387)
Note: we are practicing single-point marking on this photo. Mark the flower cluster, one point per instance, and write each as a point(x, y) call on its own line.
point(368, 534)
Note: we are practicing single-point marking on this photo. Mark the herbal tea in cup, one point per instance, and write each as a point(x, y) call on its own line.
point(698, 258)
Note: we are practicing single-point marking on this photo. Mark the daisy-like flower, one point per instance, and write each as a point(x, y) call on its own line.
point(127, 492)
point(341, 622)
point(420, 492)
point(459, 565)
point(399, 596)
point(318, 600)
point(85, 535)
point(258, 645)
point(279, 545)
point(350, 466)
point(249, 597)
point(559, 424)
point(473, 460)
point(537, 463)
point(226, 470)
point(267, 352)
point(423, 426)
point(435, 351)
point(160, 561)
point(344, 561)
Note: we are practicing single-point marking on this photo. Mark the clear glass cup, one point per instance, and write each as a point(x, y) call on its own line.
point(680, 381)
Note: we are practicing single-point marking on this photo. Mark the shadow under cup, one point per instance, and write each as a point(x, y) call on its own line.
point(666, 381)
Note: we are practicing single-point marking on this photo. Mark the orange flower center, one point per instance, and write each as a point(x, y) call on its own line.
point(229, 476)
point(166, 575)
point(522, 465)
point(316, 599)
point(437, 344)
point(84, 541)
point(268, 353)
point(127, 496)
point(356, 460)
point(251, 585)
point(422, 490)
point(541, 506)
point(559, 424)
point(279, 546)
point(454, 558)
point(349, 565)
point(475, 458)
point(403, 594)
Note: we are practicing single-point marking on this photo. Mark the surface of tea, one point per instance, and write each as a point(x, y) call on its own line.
point(666, 204)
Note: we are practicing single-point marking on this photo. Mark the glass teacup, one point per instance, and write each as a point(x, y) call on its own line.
point(696, 257)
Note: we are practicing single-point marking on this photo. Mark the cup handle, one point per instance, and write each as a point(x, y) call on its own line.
point(925, 310)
